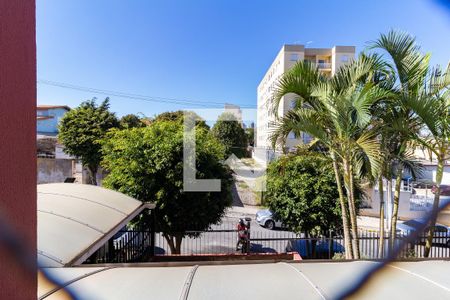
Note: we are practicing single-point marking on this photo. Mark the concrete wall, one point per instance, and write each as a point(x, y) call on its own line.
point(50, 170)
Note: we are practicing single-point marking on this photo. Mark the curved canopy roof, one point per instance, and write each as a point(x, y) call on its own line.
point(294, 280)
point(73, 217)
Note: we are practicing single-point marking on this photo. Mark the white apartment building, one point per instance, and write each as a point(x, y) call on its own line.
point(327, 60)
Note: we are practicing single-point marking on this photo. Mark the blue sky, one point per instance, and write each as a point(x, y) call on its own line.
point(203, 50)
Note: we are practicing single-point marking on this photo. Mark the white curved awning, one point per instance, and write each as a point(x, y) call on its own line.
point(74, 217)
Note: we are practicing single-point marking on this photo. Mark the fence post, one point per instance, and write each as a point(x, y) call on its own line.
point(111, 250)
point(152, 232)
point(248, 236)
point(330, 242)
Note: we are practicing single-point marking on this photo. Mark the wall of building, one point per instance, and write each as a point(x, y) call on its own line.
point(340, 52)
point(404, 212)
point(50, 170)
point(50, 125)
point(18, 146)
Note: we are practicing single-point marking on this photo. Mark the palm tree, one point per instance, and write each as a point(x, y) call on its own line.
point(336, 112)
point(409, 68)
point(433, 108)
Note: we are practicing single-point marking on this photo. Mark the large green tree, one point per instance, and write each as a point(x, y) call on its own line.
point(147, 164)
point(179, 116)
point(230, 132)
point(302, 191)
point(81, 130)
point(131, 121)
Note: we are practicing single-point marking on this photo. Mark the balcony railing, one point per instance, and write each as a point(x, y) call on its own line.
point(323, 65)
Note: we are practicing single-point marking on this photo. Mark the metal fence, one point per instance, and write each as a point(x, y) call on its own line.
point(137, 245)
point(125, 246)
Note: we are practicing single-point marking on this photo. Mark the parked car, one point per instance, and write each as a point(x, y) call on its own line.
point(445, 190)
point(441, 232)
point(323, 249)
point(268, 219)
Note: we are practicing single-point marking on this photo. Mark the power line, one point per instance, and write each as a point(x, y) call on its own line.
point(136, 96)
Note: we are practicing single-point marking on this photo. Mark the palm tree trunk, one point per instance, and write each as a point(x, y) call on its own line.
point(381, 195)
point(439, 174)
point(348, 178)
point(394, 217)
point(344, 212)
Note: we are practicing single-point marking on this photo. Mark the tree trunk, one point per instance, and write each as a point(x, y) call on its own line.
point(92, 171)
point(178, 240)
point(174, 242)
point(171, 243)
point(439, 173)
point(344, 212)
point(381, 195)
point(394, 217)
point(348, 179)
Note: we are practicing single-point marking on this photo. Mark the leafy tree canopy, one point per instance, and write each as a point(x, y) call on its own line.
point(250, 132)
point(131, 121)
point(147, 164)
point(81, 130)
point(178, 116)
point(302, 191)
point(230, 132)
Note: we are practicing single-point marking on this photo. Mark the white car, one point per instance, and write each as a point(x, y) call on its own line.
point(267, 219)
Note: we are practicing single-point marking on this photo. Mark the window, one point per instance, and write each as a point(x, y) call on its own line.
point(291, 136)
point(294, 57)
point(307, 138)
point(344, 58)
point(292, 104)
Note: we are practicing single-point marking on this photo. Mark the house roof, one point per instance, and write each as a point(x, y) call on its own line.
point(283, 280)
point(45, 107)
point(74, 220)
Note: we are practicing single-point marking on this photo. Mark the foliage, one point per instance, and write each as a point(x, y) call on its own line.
point(81, 130)
point(147, 164)
point(302, 191)
point(250, 132)
point(131, 121)
point(178, 116)
point(229, 131)
point(46, 146)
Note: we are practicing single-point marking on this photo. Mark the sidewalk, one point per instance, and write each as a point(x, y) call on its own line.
point(245, 211)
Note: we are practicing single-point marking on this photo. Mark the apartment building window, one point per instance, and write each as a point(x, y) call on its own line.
point(307, 138)
point(294, 57)
point(292, 104)
point(344, 58)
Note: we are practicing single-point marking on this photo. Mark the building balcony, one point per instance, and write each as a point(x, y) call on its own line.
point(325, 65)
point(321, 65)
